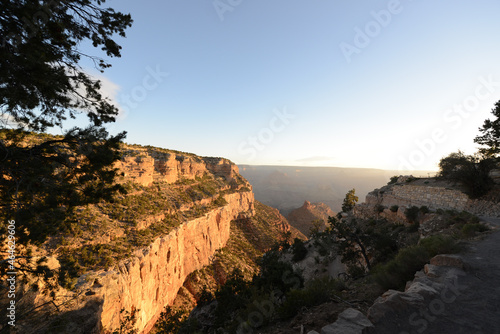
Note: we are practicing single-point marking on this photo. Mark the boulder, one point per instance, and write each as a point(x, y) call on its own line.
point(350, 321)
point(448, 261)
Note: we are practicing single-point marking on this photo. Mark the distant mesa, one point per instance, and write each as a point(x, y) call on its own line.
point(309, 215)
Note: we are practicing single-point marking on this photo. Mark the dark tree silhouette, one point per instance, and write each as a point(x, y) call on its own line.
point(490, 134)
point(41, 86)
point(472, 171)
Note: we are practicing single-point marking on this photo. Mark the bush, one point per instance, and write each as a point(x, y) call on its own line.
point(299, 250)
point(393, 179)
point(206, 297)
point(413, 228)
point(412, 213)
point(469, 170)
point(469, 230)
point(379, 208)
point(395, 273)
point(424, 209)
point(276, 274)
point(314, 293)
point(439, 244)
point(394, 208)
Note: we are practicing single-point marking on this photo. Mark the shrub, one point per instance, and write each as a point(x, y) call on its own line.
point(412, 213)
point(220, 201)
point(299, 250)
point(470, 170)
point(276, 274)
point(232, 296)
point(170, 320)
point(206, 297)
point(410, 179)
point(379, 208)
point(316, 292)
point(355, 271)
point(439, 244)
point(424, 209)
point(393, 179)
point(395, 273)
point(394, 208)
point(469, 230)
point(413, 228)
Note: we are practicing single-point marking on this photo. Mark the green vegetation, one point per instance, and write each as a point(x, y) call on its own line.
point(172, 321)
point(469, 230)
point(127, 322)
point(299, 250)
point(42, 176)
point(278, 292)
point(490, 138)
point(315, 292)
point(135, 220)
point(395, 273)
point(412, 214)
point(350, 201)
point(472, 171)
point(393, 179)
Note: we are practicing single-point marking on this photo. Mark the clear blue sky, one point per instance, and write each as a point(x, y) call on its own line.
point(383, 84)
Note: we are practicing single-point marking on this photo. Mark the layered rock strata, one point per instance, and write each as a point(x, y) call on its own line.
point(150, 280)
point(147, 166)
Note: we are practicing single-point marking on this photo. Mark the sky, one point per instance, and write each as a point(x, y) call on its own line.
point(373, 84)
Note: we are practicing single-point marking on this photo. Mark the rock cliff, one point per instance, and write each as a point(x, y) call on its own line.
point(132, 255)
point(146, 165)
point(150, 280)
point(303, 217)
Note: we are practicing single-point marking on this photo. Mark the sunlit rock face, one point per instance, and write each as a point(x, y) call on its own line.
point(150, 280)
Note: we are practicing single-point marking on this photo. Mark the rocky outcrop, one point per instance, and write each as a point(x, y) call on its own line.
point(145, 166)
point(149, 281)
point(425, 297)
point(148, 278)
point(350, 321)
point(303, 217)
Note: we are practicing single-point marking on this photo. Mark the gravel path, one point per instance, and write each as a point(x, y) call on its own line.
point(470, 303)
point(477, 305)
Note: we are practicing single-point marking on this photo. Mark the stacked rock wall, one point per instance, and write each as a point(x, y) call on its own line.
point(431, 196)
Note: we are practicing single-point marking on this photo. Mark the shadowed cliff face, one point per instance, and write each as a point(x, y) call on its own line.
point(135, 253)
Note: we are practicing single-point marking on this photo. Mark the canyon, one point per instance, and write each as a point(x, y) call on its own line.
point(206, 195)
point(310, 216)
point(186, 222)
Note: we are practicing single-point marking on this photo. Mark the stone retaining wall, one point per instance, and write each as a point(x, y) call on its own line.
point(432, 197)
